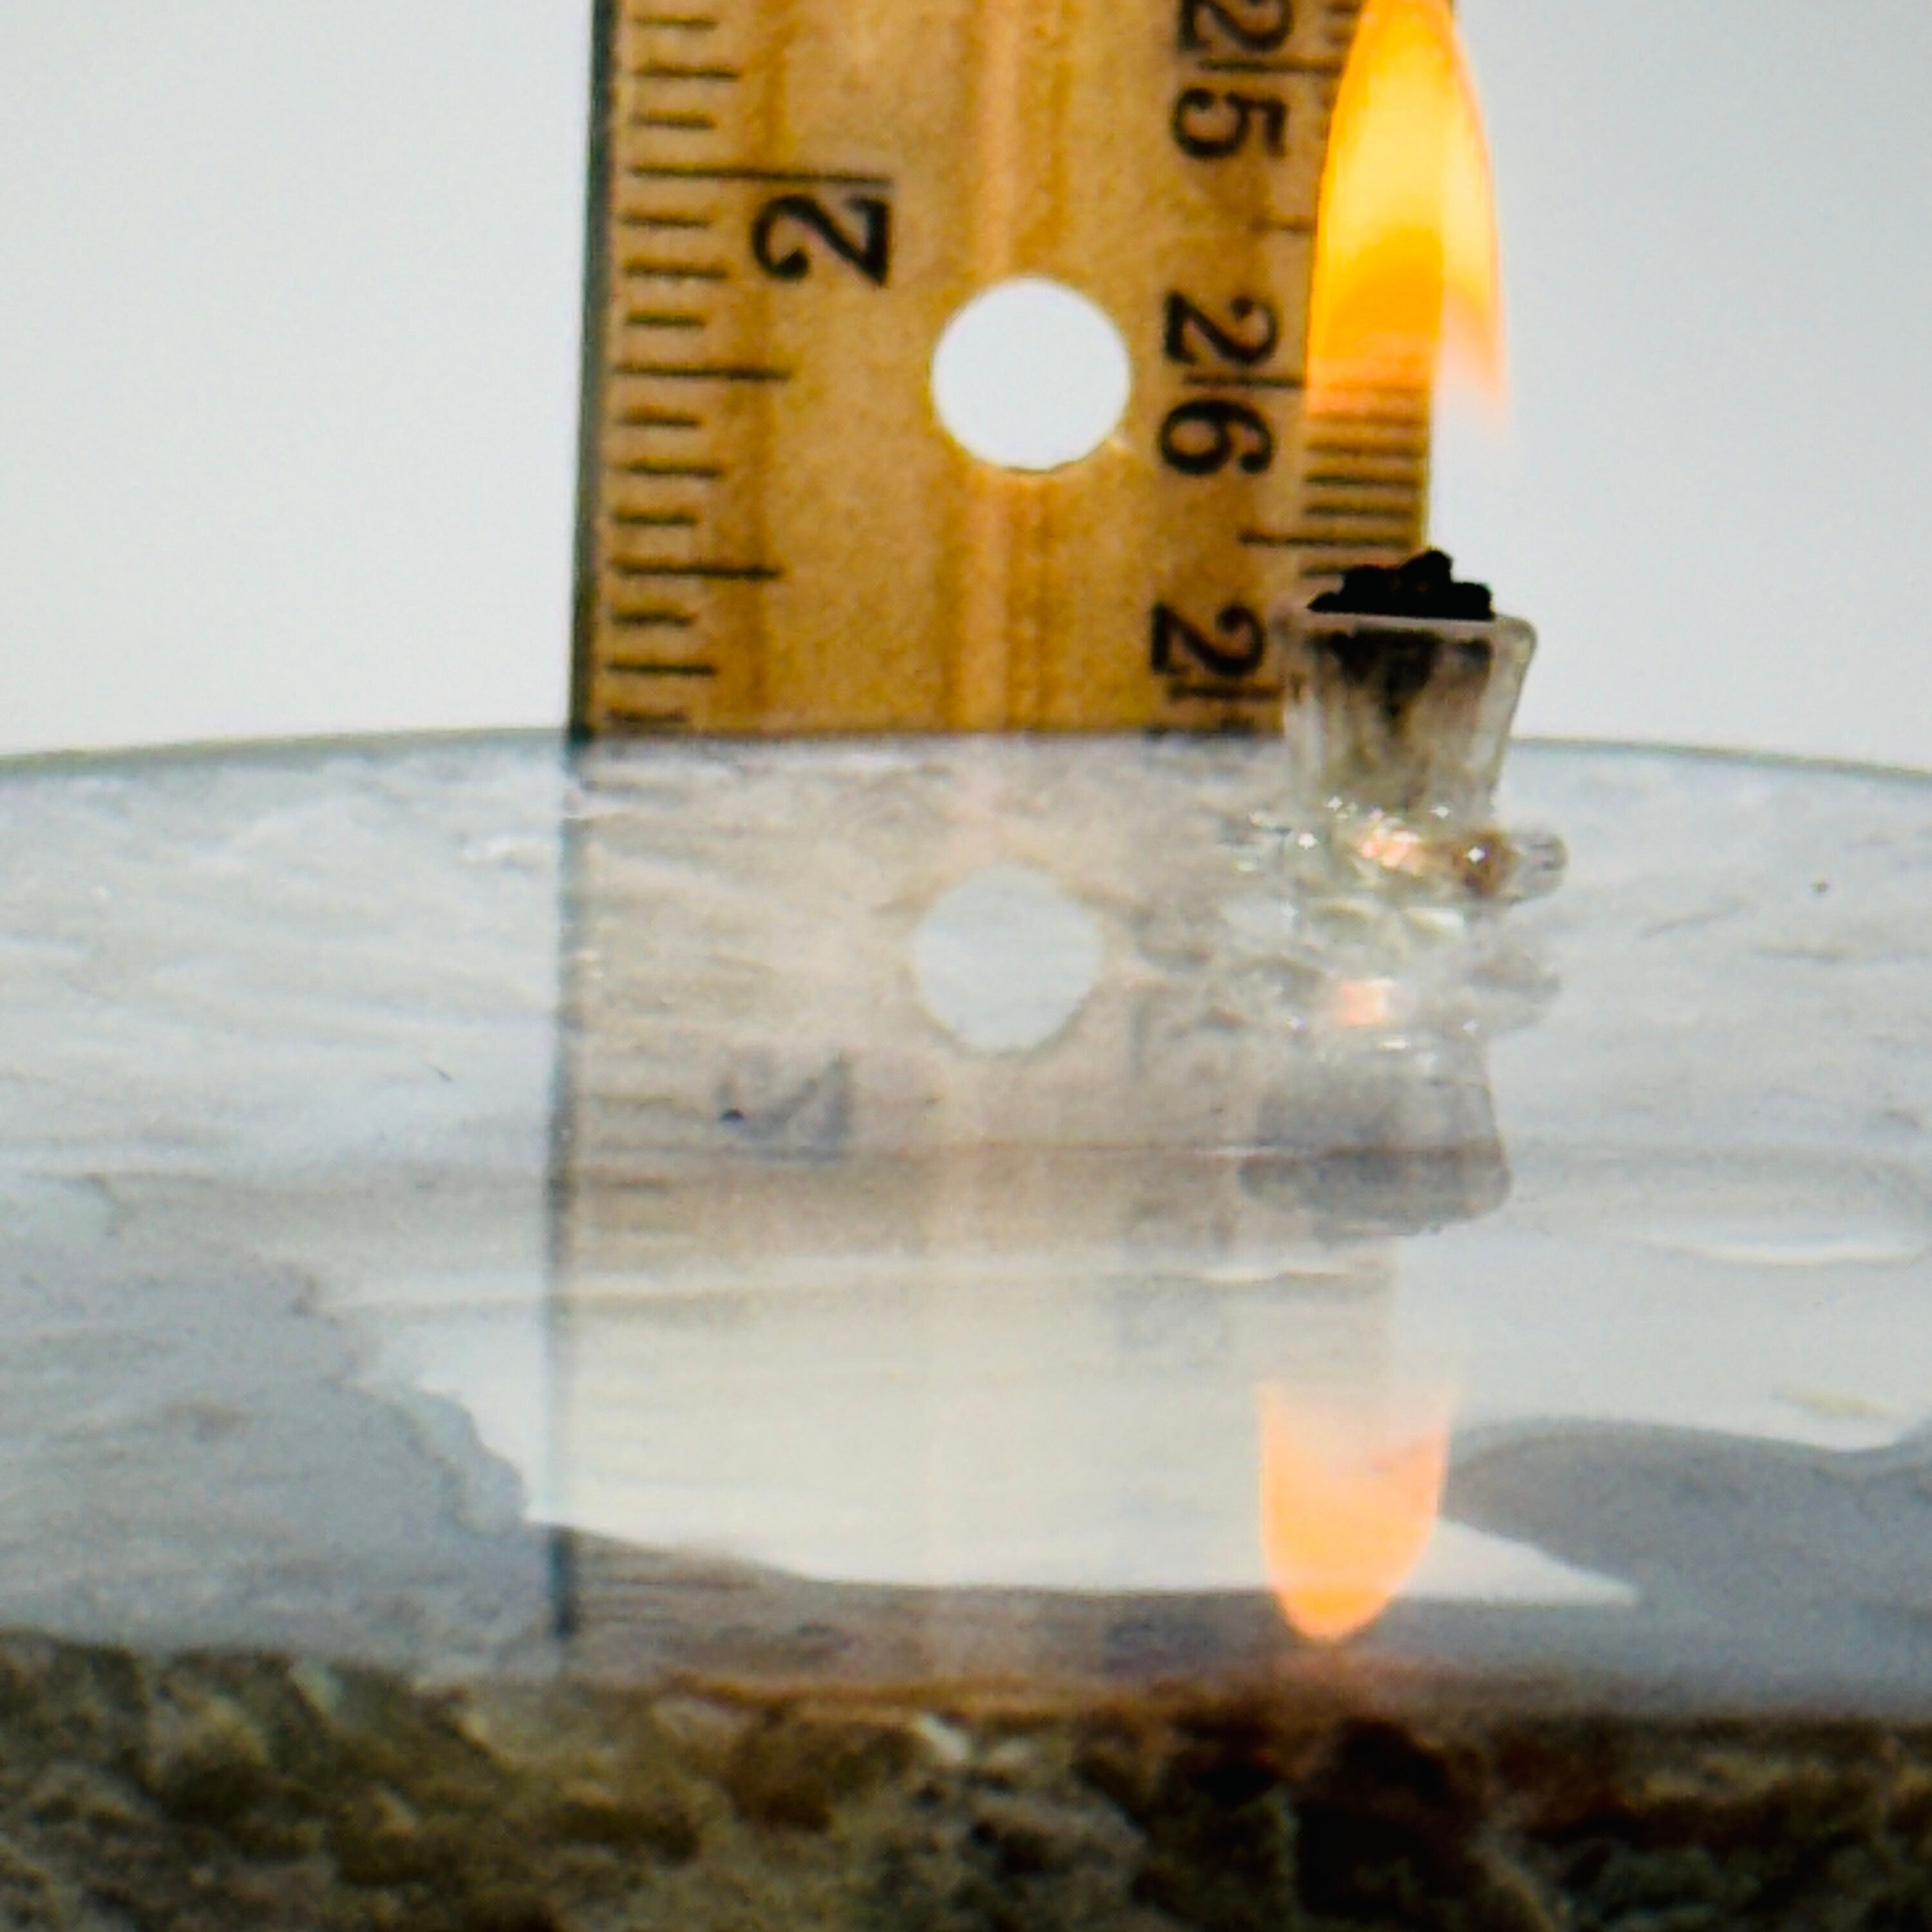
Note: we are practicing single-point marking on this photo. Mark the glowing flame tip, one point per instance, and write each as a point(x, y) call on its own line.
point(1346, 1514)
point(1407, 273)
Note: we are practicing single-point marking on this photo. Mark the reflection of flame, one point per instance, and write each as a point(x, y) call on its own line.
point(1364, 1002)
point(1406, 261)
point(1347, 1511)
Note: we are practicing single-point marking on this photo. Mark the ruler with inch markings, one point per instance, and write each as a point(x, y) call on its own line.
point(791, 199)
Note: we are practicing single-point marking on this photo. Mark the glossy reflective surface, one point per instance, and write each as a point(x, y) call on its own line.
point(853, 1213)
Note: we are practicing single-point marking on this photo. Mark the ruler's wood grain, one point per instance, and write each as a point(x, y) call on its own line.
point(791, 199)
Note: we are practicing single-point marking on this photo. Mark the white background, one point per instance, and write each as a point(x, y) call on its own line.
point(288, 383)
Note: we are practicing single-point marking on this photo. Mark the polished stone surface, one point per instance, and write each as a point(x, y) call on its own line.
point(940, 1150)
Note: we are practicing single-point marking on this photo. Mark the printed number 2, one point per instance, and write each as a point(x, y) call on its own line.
point(1174, 636)
point(869, 249)
point(1264, 30)
point(1188, 325)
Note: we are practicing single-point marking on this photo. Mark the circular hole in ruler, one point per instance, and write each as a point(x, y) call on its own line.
point(1006, 959)
point(1030, 375)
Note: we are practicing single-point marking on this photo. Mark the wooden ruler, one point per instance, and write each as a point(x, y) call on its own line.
point(790, 200)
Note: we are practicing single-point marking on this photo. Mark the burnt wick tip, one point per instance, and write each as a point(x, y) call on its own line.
point(1424, 587)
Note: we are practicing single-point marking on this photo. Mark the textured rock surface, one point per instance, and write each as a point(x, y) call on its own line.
point(243, 1791)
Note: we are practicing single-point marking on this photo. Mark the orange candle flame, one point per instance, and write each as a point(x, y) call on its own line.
point(1407, 267)
point(1347, 1512)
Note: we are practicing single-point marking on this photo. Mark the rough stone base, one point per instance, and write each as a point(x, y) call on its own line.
point(209, 1793)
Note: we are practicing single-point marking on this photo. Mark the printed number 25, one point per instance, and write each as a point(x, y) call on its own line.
point(869, 249)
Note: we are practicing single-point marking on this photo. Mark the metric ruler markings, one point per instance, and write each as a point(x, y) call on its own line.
point(790, 202)
point(665, 448)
